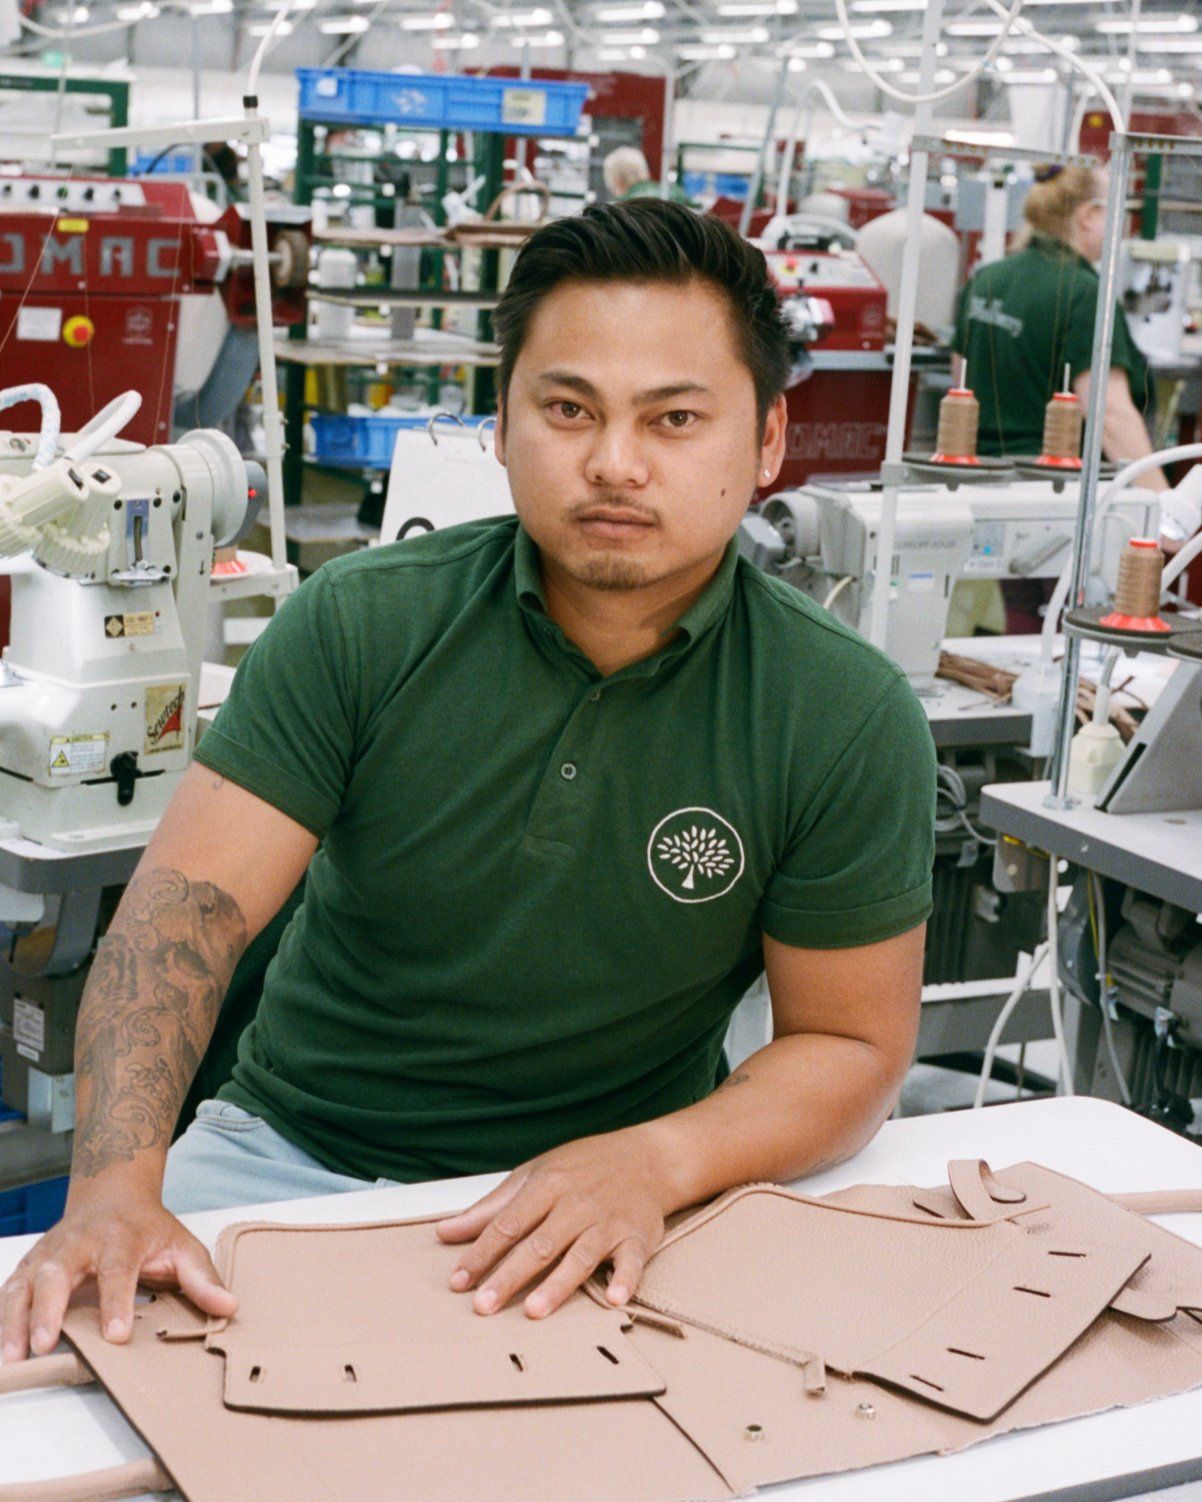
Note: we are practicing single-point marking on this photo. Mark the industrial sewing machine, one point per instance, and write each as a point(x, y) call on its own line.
point(98, 703)
point(107, 284)
point(1157, 277)
point(822, 539)
point(838, 408)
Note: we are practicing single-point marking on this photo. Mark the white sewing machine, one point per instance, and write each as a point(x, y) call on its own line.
point(822, 540)
point(99, 693)
point(1156, 278)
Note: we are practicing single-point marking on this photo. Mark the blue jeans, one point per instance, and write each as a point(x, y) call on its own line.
point(228, 1157)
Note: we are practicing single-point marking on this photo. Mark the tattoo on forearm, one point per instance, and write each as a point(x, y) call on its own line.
point(148, 1010)
point(734, 1079)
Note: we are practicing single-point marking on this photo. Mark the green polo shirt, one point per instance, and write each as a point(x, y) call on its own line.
point(1019, 321)
point(540, 893)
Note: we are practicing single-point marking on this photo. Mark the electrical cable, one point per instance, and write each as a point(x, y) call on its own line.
point(837, 591)
point(1180, 561)
point(1066, 1073)
point(1117, 115)
point(1026, 969)
point(949, 786)
point(1097, 918)
point(933, 97)
point(106, 424)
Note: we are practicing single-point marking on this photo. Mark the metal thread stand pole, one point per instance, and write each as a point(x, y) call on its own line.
point(757, 177)
point(1091, 461)
point(273, 426)
point(903, 346)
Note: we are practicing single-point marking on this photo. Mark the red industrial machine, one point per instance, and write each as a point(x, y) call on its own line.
point(838, 413)
point(108, 285)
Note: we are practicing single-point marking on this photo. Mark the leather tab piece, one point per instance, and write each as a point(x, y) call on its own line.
point(386, 1376)
point(983, 1347)
point(980, 1195)
point(1156, 1309)
point(174, 1317)
point(1162, 1202)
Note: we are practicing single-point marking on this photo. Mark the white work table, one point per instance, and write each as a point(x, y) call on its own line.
point(1120, 1453)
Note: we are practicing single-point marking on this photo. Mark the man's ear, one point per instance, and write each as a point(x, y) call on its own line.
point(498, 432)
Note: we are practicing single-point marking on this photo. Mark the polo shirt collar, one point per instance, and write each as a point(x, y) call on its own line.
point(708, 608)
point(1050, 246)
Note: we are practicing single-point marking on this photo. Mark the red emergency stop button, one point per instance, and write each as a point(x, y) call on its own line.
point(77, 332)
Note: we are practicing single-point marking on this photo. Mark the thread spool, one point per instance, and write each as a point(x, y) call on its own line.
point(1137, 597)
point(956, 442)
point(1063, 420)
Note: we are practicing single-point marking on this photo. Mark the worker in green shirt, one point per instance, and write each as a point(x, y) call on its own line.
point(1022, 320)
point(564, 784)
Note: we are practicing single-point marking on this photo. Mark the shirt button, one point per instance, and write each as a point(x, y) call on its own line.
point(595, 696)
point(568, 771)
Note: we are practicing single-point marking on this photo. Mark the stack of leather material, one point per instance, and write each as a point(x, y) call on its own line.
point(774, 1337)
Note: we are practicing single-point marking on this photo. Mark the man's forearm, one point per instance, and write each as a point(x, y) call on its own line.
point(148, 1011)
point(799, 1105)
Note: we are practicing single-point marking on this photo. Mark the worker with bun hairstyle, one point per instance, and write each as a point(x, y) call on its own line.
point(1022, 319)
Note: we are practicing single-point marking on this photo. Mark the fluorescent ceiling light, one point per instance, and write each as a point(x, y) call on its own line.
point(462, 43)
point(1002, 65)
point(211, 7)
point(621, 54)
point(546, 39)
point(72, 15)
point(981, 137)
point(759, 8)
point(700, 53)
point(261, 28)
point(1140, 76)
point(649, 10)
point(143, 12)
point(882, 65)
point(735, 36)
point(1149, 25)
point(646, 37)
point(886, 7)
point(440, 21)
point(506, 18)
point(797, 65)
point(942, 75)
point(1032, 75)
point(863, 31)
point(1168, 44)
point(343, 25)
point(982, 28)
point(809, 49)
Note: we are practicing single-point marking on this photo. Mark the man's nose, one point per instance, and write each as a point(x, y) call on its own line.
point(618, 457)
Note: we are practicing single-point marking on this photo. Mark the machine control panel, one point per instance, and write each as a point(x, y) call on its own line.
point(71, 196)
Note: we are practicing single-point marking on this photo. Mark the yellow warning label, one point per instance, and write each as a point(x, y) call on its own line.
point(78, 755)
point(72, 226)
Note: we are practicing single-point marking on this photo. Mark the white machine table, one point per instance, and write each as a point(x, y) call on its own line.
point(1121, 1453)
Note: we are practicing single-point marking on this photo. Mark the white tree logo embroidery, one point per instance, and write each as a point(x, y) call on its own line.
point(695, 855)
point(697, 851)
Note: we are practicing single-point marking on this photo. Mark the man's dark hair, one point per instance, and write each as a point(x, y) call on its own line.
point(651, 240)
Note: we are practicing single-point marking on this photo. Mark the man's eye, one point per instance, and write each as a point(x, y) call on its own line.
point(570, 410)
point(679, 420)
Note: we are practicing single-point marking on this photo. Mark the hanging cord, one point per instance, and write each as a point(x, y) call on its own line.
point(901, 95)
point(1027, 965)
point(1097, 923)
point(1066, 1073)
point(950, 790)
point(51, 416)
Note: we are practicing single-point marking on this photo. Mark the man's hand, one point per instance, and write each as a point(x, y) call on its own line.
point(119, 1242)
point(600, 1199)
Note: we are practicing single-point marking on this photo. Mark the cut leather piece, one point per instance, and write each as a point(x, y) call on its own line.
point(305, 1340)
point(730, 1416)
point(842, 1284)
point(977, 1352)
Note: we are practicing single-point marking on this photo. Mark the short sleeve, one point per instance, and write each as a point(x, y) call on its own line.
point(1126, 355)
point(286, 732)
point(858, 868)
point(1077, 348)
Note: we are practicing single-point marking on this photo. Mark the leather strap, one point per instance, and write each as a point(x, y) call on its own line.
point(976, 1189)
point(1162, 1202)
point(128, 1480)
point(66, 1370)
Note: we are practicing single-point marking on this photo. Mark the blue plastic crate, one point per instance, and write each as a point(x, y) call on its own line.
point(33, 1207)
point(436, 101)
point(366, 441)
point(148, 163)
point(726, 184)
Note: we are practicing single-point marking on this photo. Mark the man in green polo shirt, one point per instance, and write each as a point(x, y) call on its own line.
point(564, 785)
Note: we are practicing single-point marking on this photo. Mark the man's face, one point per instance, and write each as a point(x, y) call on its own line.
point(630, 432)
